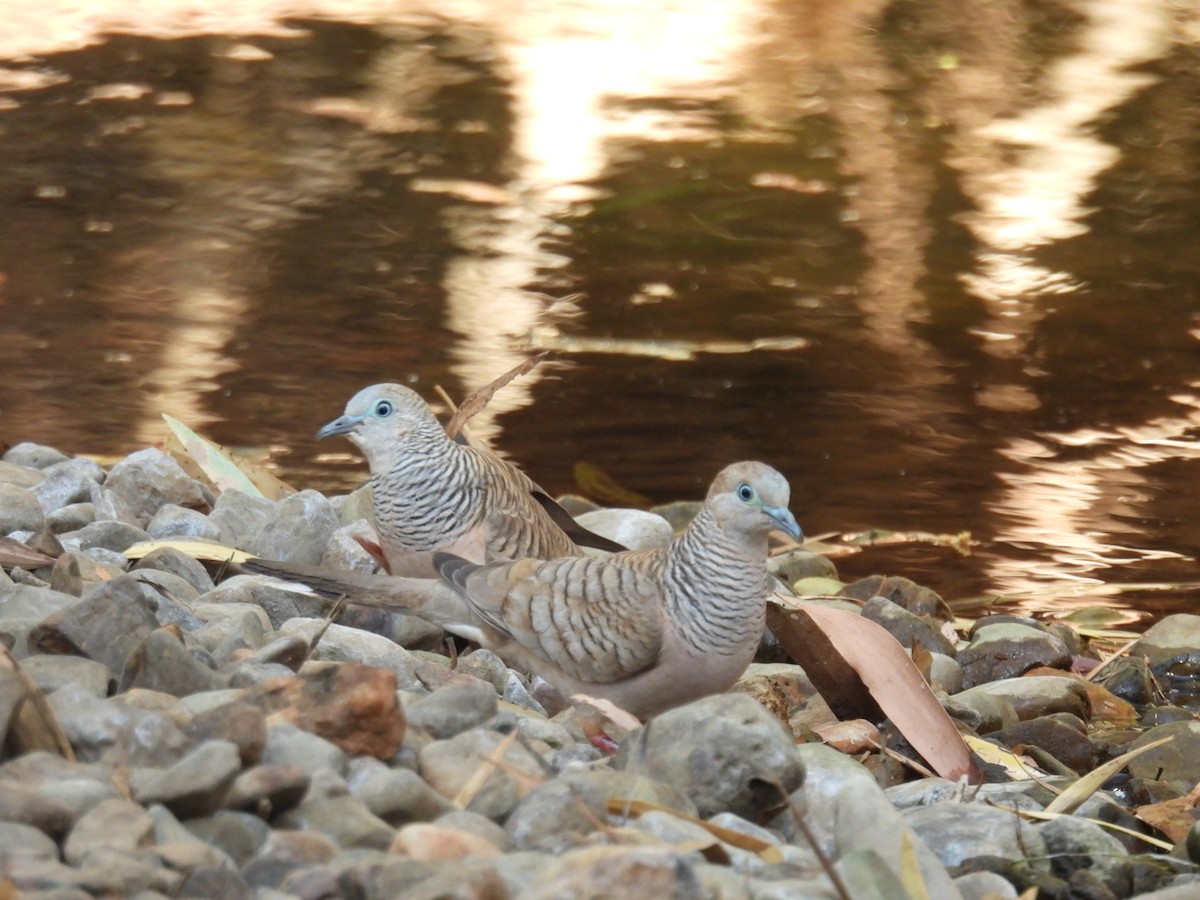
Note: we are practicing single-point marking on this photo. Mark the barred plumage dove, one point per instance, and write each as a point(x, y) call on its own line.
point(646, 629)
point(432, 494)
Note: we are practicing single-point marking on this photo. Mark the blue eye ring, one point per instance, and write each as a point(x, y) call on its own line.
point(384, 408)
point(745, 492)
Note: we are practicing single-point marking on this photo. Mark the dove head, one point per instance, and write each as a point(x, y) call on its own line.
point(379, 416)
point(752, 498)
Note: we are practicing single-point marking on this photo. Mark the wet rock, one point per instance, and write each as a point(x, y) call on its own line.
point(161, 662)
point(168, 559)
point(1008, 649)
point(423, 841)
point(150, 478)
point(563, 812)
point(1074, 843)
point(449, 765)
point(398, 796)
point(105, 625)
point(298, 529)
point(634, 529)
point(178, 521)
point(906, 627)
point(114, 824)
point(268, 790)
point(453, 709)
point(1036, 695)
point(352, 705)
point(1177, 762)
point(726, 752)
point(194, 786)
point(19, 510)
point(345, 819)
point(1168, 639)
point(52, 672)
point(1061, 735)
point(918, 600)
point(981, 711)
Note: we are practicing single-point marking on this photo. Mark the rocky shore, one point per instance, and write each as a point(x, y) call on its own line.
point(173, 732)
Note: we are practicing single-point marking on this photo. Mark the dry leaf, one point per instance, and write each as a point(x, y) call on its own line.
point(861, 665)
point(14, 553)
point(614, 713)
point(201, 550)
point(478, 399)
point(34, 727)
point(1174, 817)
point(1072, 797)
point(855, 736)
point(225, 470)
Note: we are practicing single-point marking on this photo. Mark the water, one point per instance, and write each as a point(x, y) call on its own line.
point(975, 229)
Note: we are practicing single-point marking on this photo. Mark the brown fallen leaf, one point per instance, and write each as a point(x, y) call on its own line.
point(478, 399)
point(14, 553)
point(859, 667)
point(33, 726)
point(855, 736)
point(1174, 817)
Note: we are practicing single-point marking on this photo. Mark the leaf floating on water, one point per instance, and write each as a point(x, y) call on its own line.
point(674, 351)
point(862, 671)
point(479, 398)
point(226, 471)
point(601, 486)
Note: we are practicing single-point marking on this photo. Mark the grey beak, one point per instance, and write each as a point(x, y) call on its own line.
point(785, 520)
point(343, 425)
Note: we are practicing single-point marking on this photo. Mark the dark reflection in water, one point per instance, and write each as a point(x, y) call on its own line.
point(981, 218)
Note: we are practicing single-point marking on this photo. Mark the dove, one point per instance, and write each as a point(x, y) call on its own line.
point(645, 629)
point(431, 494)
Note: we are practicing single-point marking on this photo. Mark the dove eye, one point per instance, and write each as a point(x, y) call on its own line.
point(383, 409)
point(745, 492)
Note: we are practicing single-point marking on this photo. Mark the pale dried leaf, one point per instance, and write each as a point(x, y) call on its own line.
point(201, 550)
point(614, 713)
point(226, 471)
point(1071, 798)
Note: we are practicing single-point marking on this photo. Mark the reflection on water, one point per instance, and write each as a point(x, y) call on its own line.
point(934, 260)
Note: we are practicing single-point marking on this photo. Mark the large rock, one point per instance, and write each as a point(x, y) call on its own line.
point(1008, 649)
point(106, 625)
point(150, 478)
point(726, 752)
point(298, 530)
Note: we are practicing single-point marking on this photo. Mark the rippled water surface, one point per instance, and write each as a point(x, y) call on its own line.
point(938, 262)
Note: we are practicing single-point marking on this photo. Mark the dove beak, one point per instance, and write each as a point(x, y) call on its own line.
point(343, 425)
point(785, 520)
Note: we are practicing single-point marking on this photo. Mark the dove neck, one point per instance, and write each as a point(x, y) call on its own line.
point(719, 584)
point(426, 489)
